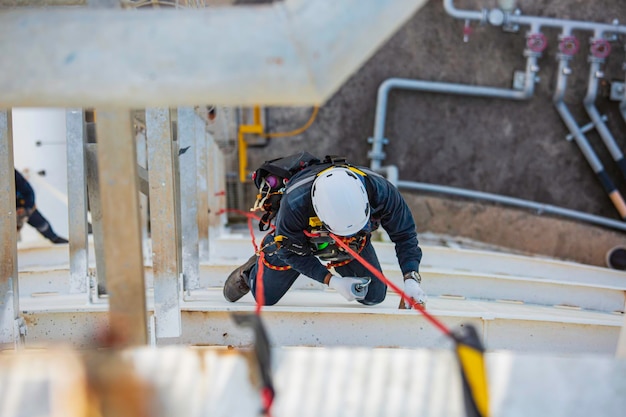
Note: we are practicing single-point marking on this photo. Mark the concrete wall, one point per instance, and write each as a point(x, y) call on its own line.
point(498, 146)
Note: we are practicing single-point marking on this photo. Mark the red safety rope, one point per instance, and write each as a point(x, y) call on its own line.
point(259, 293)
point(267, 394)
point(394, 287)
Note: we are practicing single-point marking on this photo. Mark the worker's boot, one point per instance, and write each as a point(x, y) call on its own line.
point(236, 286)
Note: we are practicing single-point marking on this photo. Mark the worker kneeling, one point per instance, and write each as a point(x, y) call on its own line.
point(323, 199)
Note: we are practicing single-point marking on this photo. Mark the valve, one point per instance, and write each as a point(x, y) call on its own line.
point(536, 42)
point(569, 45)
point(600, 48)
point(467, 31)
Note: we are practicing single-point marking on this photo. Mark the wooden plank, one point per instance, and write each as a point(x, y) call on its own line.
point(117, 163)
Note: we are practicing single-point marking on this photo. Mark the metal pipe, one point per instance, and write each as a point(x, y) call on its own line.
point(579, 136)
point(595, 74)
point(480, 16)
point(540, 208)
point(379, 140)
point(622, 105)
point(518, 19)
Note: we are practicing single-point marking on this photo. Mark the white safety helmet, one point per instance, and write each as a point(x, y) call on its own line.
point(340, 201)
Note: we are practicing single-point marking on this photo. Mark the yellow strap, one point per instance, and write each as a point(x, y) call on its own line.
point(350, 167)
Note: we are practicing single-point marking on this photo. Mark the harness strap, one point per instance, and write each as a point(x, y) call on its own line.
point(347, 261)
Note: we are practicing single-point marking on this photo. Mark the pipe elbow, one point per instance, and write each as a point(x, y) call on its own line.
point(386, 86)
point(448, 6)
point(589, 101)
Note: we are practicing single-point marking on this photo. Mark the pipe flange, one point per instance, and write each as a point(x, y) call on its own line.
point(569, 45)
point(496, 17)
point(600, 48)
point(536, 42)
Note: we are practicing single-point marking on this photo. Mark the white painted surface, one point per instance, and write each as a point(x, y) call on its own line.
point(45, 125)
point(329, 382)
point(284, 53)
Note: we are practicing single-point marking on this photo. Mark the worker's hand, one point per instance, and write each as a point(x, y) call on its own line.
point(413, 289)
point(21, 216)
point(352, 288)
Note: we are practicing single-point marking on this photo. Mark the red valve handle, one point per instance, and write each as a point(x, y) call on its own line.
point(600, 48)
point(536, 42)
point(569, 45)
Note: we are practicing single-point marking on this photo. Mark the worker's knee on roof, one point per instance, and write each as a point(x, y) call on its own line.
point(372, 301)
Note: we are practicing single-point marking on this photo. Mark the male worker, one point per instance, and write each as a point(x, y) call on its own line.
point(348, 202)
point(27, 210)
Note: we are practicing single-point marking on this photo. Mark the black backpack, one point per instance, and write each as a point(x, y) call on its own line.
point(272, 177)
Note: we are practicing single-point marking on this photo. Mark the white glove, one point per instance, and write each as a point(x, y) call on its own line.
point(413, 290)
point(352, 288)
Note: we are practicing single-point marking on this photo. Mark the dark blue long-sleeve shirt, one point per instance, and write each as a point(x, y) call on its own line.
point(23, 192)
point(388, 209)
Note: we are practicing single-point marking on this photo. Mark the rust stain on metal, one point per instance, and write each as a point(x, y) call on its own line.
point(114, 389)
point(275, 60)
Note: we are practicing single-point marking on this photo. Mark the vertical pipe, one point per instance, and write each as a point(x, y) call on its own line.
point(622, 105)
point(9, 291)
point(117, 162)
point(162, 157)
point(579, 136)
point(592, 111)
point(77, 201)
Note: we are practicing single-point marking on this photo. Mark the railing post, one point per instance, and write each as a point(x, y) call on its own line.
point(10, 324)
point(77, 201)
point(164, 222)
point(188, 196)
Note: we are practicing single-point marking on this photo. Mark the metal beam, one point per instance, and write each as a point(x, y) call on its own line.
point(95, 207)
point(292, 52)
point(119, 193)
point(188, 195)
point(77, 200)
point(164, 223)
point(9, 291)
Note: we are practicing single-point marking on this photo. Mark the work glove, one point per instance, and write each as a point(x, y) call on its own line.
point(352, 288)
point(22, 217)
point(413, 290)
